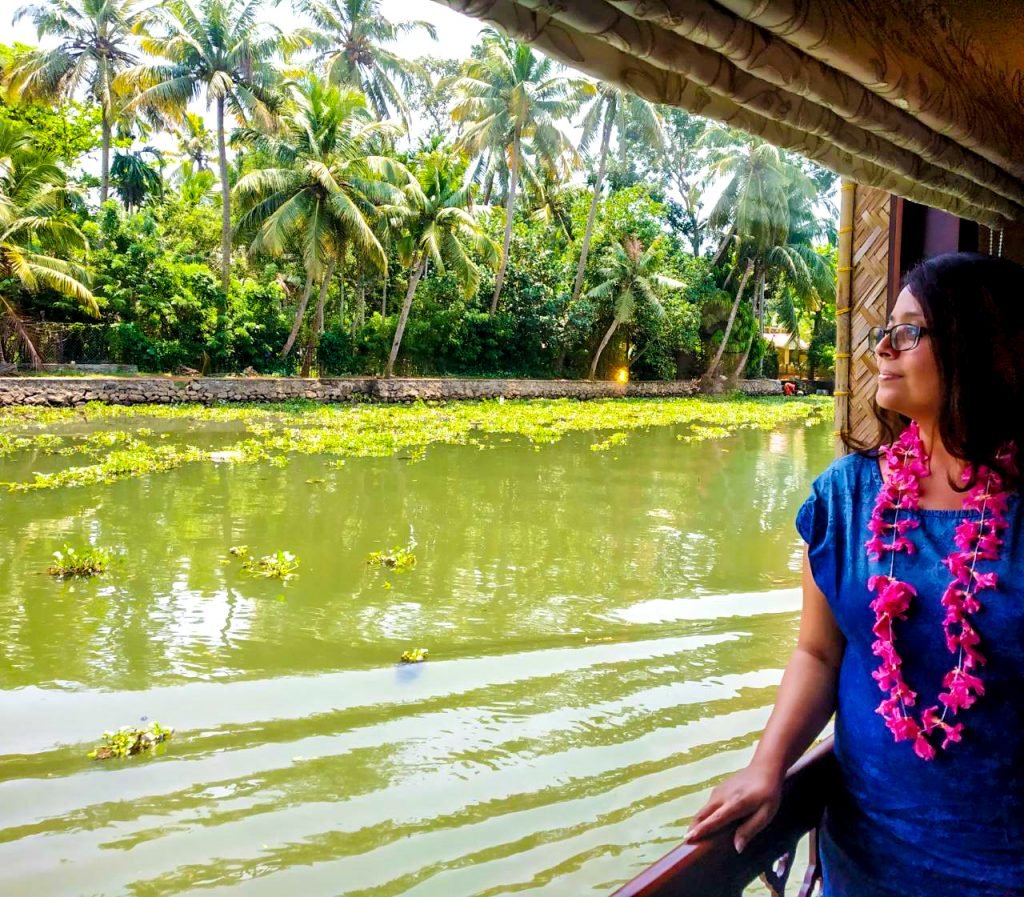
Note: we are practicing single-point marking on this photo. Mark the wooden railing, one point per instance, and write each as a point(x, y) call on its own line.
point(712, 868)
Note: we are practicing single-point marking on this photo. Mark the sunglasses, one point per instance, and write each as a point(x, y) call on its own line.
point(902, 337)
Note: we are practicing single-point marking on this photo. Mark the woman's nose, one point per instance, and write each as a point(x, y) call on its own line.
point(884, 348)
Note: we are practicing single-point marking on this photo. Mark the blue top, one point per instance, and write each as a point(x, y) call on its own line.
point(902, 826)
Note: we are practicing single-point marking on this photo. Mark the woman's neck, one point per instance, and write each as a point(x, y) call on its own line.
point(944, 468)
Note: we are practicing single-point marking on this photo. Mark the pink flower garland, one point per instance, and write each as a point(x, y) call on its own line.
point(975, 539)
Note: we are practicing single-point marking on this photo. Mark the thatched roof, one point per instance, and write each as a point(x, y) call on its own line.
point(894, 94)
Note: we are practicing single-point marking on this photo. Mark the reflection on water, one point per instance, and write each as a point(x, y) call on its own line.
point(606, 630)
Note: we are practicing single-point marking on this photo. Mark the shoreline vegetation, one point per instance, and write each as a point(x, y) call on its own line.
point(275, 432)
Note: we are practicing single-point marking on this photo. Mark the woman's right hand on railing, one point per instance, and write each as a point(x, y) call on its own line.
point(754, 793)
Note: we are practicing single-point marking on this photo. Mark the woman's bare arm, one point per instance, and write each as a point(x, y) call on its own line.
point(805, 701)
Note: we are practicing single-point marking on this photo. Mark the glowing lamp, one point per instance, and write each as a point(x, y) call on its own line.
point(622, 375)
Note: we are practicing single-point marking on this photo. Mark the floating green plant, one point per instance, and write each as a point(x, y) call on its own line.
point(280, 565)
point(239, 551)
point(278, 432)
point(616, 439)
point(400, 558)
point(129, 741)
point(88, 561)
point(414, 655)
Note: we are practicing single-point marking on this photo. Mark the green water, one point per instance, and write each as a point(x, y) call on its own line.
point(605, 631)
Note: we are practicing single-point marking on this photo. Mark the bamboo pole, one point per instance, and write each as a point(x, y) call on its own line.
point(844, 303)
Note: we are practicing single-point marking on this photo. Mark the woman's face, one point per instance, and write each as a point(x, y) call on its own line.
point(908, 381)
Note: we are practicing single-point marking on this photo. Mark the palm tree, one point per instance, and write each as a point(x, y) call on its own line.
point(754, 211)
point(33, 195)
point(434, 223)
point(216, 47)
point(513, 101)
point(195, 143)
point(629, 279)
point(321, 187)
point(134, 179)
point(94, 46)
point(352, 35)
point(612, 110)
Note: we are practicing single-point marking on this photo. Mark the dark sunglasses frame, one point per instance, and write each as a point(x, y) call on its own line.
point(877, 334)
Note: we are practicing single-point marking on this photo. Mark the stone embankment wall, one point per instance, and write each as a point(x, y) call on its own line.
point(169, 390)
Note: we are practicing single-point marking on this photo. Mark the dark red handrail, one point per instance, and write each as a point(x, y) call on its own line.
point(712, 868)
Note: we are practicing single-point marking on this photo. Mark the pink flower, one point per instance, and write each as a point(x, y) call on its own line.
point(875, 546)
point(953, 734)
point(923, 748)
point(974, 540)
point(986, 580)
point(930, 718)
point(903, 728)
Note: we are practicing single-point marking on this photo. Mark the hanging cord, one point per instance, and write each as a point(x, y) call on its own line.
point(991, 242)
point(1000, 243)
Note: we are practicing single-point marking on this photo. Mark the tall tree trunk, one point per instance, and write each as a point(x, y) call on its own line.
point(384, 297)
point(723, 246)
point(318, 319)
point(225, 200)
point(606, 139)
point(760, 316)
point(815, 330)
point(414, 279)
point(325, 285)
point(604, 342)
point(710, 377)
point(488, 187)
point(105, 158)
point(741, 366)
point(510, 207)
point(300, 313)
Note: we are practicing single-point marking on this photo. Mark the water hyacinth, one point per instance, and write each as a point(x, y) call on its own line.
point(280, 565)
point(277, 432)
point(70, 561)
point(129, 741)
point(414, 655)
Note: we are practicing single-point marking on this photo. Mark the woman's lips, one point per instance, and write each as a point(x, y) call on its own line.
point(888, 375)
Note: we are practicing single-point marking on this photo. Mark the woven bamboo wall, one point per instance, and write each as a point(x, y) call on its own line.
point(869, 275)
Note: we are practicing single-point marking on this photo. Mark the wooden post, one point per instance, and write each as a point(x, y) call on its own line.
point(844, 300)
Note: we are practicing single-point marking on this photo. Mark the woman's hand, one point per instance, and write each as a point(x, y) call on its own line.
point(754, 792)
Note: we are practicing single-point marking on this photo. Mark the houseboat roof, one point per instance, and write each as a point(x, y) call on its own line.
point(921, 99)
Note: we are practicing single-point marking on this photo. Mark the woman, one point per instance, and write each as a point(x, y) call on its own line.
point(912, 629)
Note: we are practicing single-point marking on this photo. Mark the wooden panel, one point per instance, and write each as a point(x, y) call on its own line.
point(870, 289)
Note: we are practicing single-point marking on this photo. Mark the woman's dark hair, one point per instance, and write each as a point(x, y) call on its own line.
point(973, 307)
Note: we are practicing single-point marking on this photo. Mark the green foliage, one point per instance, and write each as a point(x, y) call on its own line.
point(88, 561)
point(400, 559)
point(279, 565)
point(65, 131)
point(331, 211)
point(414, 655)
point(278, 432)
point(129, 741)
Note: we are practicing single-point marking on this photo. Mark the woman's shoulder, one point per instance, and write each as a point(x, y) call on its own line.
point(848, 474)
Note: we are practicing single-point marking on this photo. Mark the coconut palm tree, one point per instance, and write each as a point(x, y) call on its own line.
point(513, 101)
point(612, 110)
point(434, 223)
point(321, 187)
point(629, 280)
point(217, 48)
point(37, 243)
point(352, 36)
point(195, 143)
point(754, 210)
point(94, 44)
